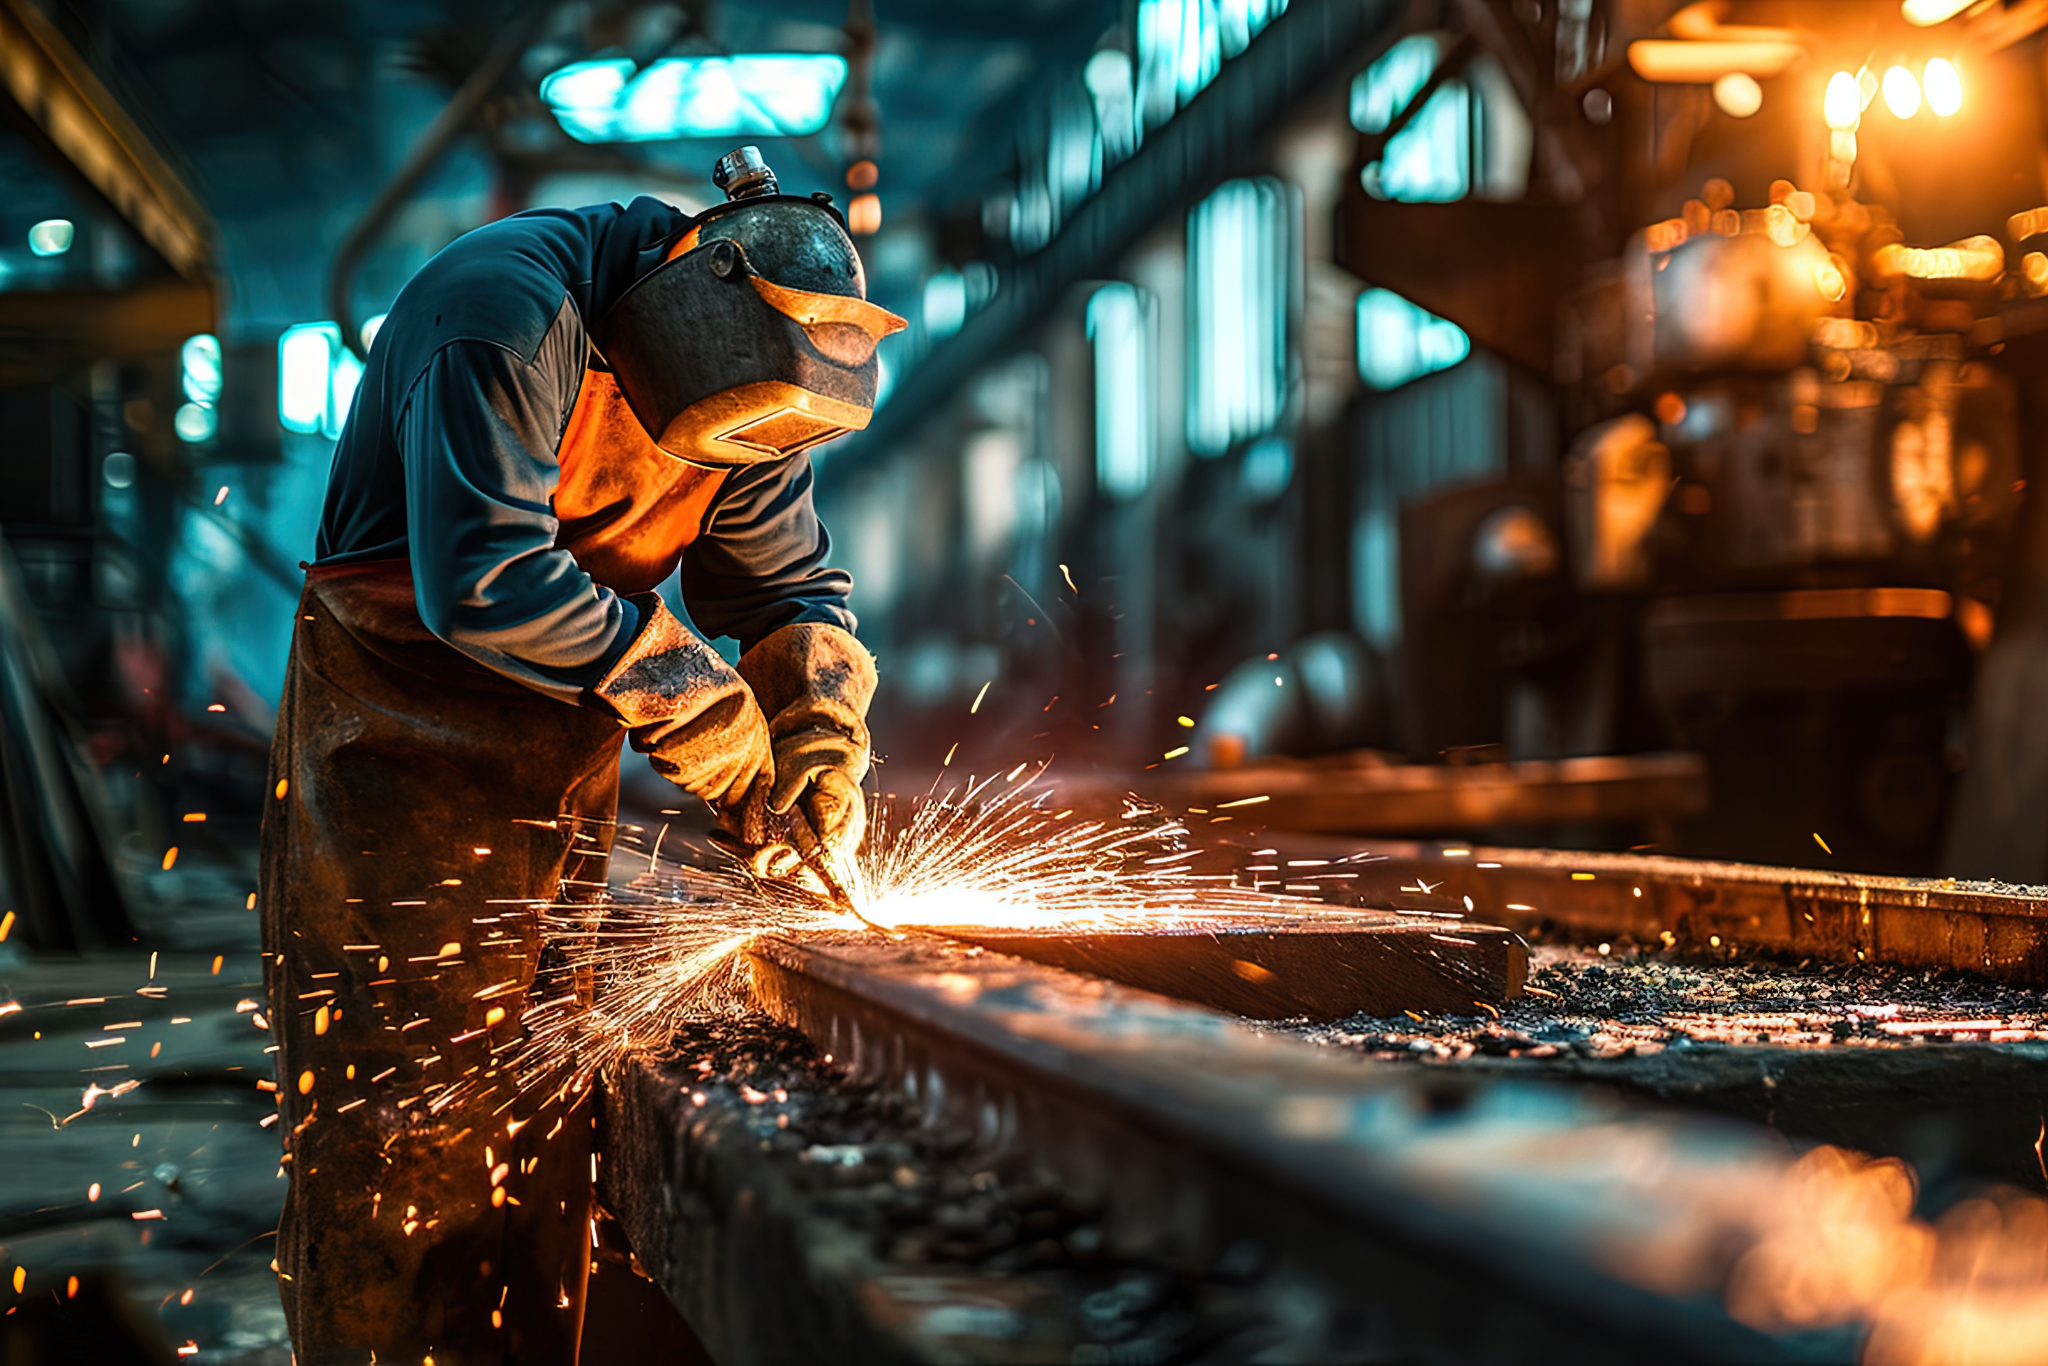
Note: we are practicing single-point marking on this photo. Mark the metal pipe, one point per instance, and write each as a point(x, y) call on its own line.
point(453, 120)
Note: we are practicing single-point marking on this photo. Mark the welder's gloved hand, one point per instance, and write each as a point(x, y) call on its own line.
point(689, 711)
point(815, 682)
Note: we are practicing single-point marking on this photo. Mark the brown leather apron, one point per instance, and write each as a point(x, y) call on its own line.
point(421, 806)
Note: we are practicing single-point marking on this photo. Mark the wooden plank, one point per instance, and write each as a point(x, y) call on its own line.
point(1321, 967)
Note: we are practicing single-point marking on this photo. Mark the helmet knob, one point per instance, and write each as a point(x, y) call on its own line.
point(742, 174)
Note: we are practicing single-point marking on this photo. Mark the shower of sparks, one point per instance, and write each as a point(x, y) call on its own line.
point(998, 851)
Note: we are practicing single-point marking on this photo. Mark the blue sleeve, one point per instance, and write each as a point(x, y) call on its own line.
point(760, 562)
point(478, 431)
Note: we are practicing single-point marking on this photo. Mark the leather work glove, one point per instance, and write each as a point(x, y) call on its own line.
point(689, 712)
point(814, 683)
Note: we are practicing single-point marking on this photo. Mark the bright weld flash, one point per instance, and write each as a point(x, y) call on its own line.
point(1901, 92)
point(1943, 86)
point(992, 851)
point(1842, 105)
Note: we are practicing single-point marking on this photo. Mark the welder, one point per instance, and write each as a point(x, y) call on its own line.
point(560, 409)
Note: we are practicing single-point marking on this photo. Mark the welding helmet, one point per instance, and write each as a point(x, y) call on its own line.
point(755, 340)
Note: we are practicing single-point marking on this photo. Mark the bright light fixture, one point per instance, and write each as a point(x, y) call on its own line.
point(1738, 95)
point(194, 422)
point(1977, 258)
point(1678, 62)
point(783, 94)
point(1843, 103)
point(199, 358)
point(1944, 87)
point(316, 379)
point(51, 237)
point(1928, 13)
point(864, 215)
point(1901, 92)
point(304, 355)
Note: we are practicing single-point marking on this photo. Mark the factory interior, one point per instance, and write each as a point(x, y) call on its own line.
point(1459, 733)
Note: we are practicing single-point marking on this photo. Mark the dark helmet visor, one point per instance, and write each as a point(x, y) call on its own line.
point(725, 366)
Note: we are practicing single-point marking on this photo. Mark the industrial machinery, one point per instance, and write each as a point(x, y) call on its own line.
point(1785, 525)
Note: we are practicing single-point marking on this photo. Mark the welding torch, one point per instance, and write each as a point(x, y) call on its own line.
point(762, 830)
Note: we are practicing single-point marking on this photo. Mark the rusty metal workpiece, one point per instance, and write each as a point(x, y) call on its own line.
point(1363, 1208)
point(1324, 966)
point(1703, 905)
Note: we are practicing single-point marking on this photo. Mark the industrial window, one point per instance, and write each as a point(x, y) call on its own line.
point(1061, 165)
point(1244, 268)
point(1398, 342)
point(1108, 79)
point(1123, 323)
point(779, 94)
point(1470, 137)
point(316, 379)
point(945, 304)
point(200, 372)
point(1183, 43)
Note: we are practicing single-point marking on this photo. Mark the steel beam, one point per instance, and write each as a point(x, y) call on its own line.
point(1294, 1204)
point(1393, 799)
point(1322, 967)
point(1707, 906)
point(58, 91)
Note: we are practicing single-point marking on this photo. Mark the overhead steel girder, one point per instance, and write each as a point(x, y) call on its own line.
point(115, 323)
point(1498, 270)
point(61, 95)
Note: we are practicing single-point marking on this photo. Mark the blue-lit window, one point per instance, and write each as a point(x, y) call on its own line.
point(1180, 49)
point(945, 304)
point(1108, 79)
point(1430, 160)
point(1244, 265)
point(199, 368)
point(1062, 165)
point(1398, 341)
point(1240, 21)
point(199, 362)
point(1383, 89)
point(1123, 324)
point(316, 379)
point(751, 95)
point(1183, 43)
point(52, 237)
point(1471, 136)
point(194, 422)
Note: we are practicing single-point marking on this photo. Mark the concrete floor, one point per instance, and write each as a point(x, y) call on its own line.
point(160, 1200)
point(172, 1255)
